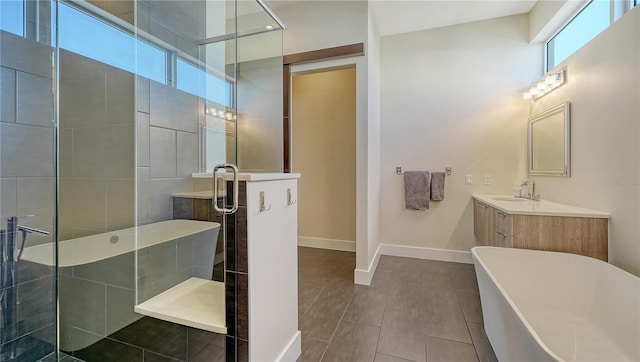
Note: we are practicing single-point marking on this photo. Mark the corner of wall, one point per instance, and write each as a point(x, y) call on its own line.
point(374, 141)
point(364, 276)
point(547, 17)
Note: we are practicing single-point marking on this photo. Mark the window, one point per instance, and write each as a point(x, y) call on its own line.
point(86, 35)
point(586, 25)
point(196, 81)
point(12, 16)
point(91, 37)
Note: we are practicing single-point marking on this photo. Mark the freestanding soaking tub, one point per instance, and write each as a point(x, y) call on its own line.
point(548, 306)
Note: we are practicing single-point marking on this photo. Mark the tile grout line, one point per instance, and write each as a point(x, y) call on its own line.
point(340, 322)
point(466, 322)
point(384, 311)
point(325, 285)
point(314, 299)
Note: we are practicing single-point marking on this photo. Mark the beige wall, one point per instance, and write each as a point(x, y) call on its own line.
point(452, 97)
point(603, 86)
point(323, 151)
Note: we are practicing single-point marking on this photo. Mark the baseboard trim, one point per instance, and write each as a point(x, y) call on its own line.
point(456, 256)
point(364, 277)
point(293, 350)
point(332, 244)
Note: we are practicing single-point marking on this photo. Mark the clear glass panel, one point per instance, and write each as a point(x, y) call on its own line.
point(27, 182)
point(96, 173)
point(590, 22)
point(146, 94)
point(219, 127)
point(180, 281)
point(259, 89)
point(12, 17)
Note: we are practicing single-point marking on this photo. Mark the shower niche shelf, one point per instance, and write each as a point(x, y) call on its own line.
point(196, 302)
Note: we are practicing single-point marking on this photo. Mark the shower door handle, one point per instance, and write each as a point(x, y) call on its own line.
point(234, 207)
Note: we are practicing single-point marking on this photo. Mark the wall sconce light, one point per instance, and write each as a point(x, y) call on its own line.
point(546, 85)
point(219, 113)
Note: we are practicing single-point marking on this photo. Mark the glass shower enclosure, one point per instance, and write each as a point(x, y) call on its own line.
point(109, 111)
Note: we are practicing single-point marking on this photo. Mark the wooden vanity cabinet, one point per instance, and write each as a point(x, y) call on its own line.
point(483, 222)
point(503, 235)
point(578, 235)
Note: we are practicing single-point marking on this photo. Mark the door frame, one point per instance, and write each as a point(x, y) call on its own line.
point(351, 50)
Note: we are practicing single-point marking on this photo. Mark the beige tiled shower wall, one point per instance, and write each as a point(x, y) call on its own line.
point(97, 147)
point(26, 128)
point(168, 119)
point(27, 185)
point(122, 137)
point(100, 111)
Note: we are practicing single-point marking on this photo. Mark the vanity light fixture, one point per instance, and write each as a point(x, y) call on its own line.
point(219, 113)
point(546, 85)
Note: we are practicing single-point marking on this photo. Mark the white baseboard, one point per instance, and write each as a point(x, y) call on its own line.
point(333, 244)
point(455, 256)
point(364, 277)
point(293, 350)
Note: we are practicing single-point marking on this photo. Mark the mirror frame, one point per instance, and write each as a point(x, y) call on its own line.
point(565, 108)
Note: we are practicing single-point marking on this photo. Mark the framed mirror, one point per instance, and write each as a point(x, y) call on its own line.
point(549, 142)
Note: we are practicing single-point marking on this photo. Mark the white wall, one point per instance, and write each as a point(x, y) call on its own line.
point(312, 25)
point(452, 97)
point(316, 25)
point(603, 86)
point(373, 57)
point(547, 17)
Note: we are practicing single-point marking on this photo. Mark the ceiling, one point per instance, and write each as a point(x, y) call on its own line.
point(403, 16)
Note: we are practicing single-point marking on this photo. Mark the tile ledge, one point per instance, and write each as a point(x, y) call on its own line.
point(252, 176)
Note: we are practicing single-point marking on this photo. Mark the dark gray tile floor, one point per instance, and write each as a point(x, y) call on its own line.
point(414, 310)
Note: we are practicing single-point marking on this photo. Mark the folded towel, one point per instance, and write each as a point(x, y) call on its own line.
point(437, 186)
point(416, 190)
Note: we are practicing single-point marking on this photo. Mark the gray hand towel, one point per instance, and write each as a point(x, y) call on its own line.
point(416, 190)
point(437, 186)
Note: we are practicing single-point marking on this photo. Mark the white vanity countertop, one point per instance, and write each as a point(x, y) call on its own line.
point(544, 207)
point(253, 176)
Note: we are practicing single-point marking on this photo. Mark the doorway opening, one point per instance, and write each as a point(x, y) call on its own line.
point(323, 149)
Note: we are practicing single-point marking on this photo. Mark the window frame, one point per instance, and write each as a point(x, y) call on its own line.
point(563, 27)
point(628, 6)
point(172, 54)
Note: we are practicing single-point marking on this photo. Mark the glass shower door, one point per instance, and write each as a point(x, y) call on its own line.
point(103, 123)
point(259, 89)
point(27, 181)
point(181, 286)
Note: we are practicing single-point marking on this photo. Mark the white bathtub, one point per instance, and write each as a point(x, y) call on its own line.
point(89, 249)
point(129, 268)
point(548, 306)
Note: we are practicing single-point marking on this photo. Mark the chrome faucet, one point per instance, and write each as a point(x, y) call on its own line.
point(531, 195)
